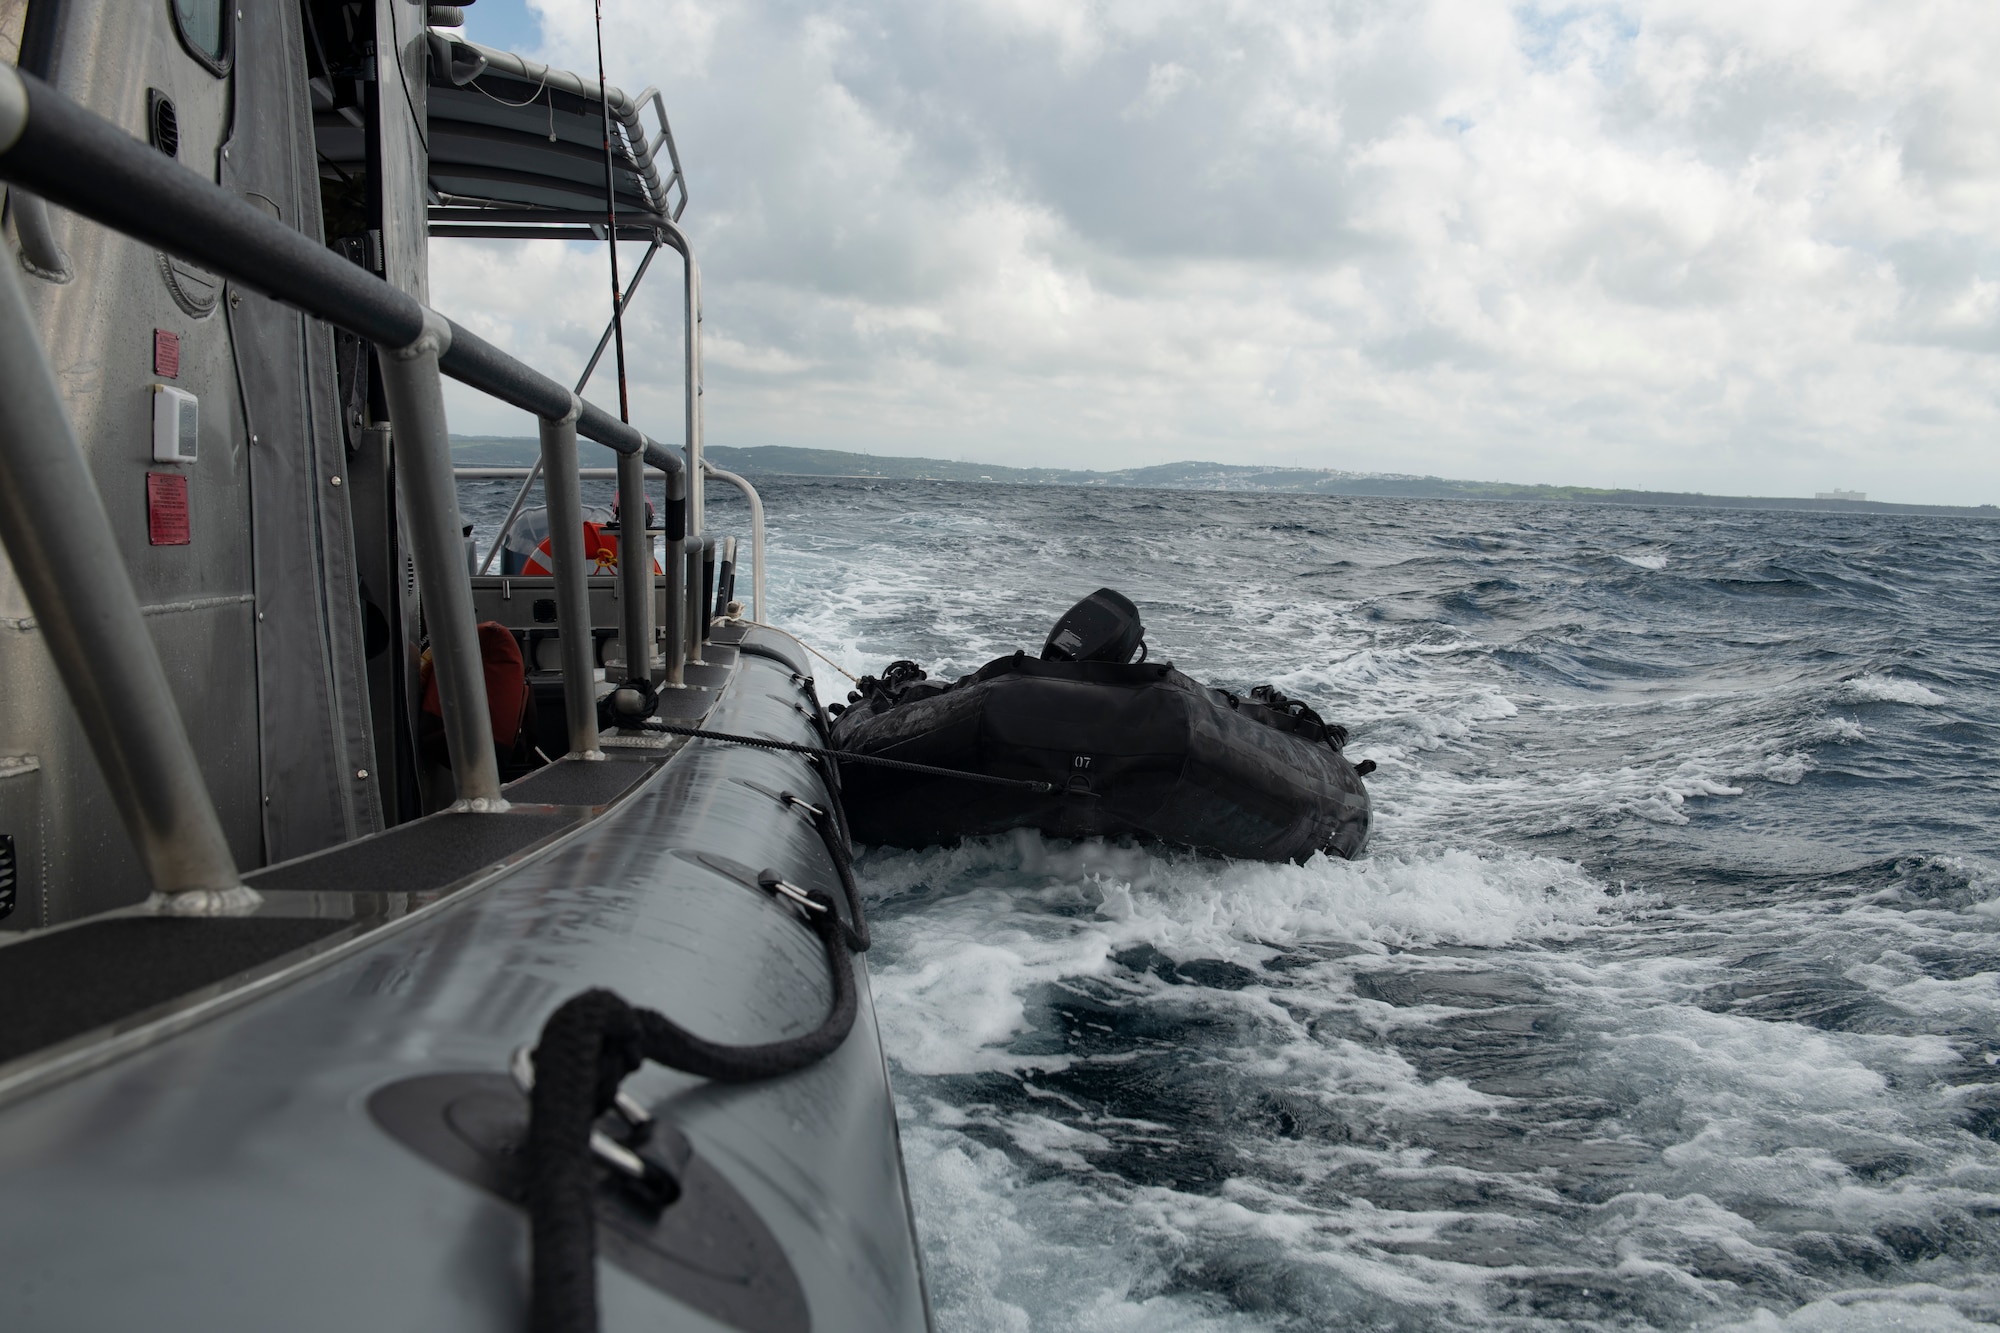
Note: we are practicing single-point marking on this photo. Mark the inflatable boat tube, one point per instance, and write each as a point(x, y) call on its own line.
point(333, 1139)
point(1132, 749)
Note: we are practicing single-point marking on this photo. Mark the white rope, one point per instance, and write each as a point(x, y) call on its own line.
point(533, 98)
point(808, 647)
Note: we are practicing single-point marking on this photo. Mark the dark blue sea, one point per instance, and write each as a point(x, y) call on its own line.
point(1666, 996)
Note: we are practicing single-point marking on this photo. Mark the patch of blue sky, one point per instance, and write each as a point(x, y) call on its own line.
point(510, 25)
point(1554, 36)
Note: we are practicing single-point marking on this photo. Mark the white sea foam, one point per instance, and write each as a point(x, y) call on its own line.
point(1769, 1111)
point(1917, 1308)
point(1519, 1095)
point(1026, 911)
point(1033, 1257)
point(1789, 769)
point(1838, 730)
point(1874, 689)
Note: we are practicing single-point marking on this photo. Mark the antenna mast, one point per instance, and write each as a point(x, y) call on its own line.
point(611, 224)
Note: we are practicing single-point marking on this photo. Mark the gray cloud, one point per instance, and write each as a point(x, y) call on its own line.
point(1688, 243)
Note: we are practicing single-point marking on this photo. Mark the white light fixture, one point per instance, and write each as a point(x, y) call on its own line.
point(176, 425)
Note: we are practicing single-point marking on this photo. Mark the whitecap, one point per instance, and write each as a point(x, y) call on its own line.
point(1874, 689)
point(1789, 769)
point(1918, 1308)
point(1028, 912)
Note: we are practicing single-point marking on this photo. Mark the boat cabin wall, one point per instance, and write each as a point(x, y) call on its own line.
point(243, 555)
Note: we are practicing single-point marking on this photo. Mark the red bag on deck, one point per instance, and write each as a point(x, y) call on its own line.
point(506, 687)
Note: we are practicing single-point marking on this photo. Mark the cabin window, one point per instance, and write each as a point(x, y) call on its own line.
point(205, 30)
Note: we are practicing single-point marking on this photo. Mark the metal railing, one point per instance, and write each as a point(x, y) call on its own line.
point(662, 231)
point(481, 472)
point(757, 607)
point(589, 369)
point(62, 547)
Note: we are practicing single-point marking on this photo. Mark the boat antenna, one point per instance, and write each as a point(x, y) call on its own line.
point(611, 224)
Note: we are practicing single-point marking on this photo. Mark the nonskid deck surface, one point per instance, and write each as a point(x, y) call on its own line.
point(420, 857)
point(580, 782)
point(61, 985)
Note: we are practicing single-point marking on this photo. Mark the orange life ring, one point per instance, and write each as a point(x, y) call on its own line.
point(600, 547)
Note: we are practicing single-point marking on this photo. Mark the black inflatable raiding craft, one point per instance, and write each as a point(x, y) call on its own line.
point(1132, 748)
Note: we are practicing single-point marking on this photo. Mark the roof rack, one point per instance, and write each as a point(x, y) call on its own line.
point(516, 150)
point(514, 136)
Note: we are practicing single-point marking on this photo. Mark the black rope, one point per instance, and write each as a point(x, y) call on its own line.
point(595, 1040)
point(844, 756)
point(587, 1048)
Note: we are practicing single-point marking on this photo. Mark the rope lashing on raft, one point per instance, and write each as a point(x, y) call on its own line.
point(842, 756)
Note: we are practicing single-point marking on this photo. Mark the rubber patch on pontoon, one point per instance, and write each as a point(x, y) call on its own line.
point(64, 983)
point(578, 782)
point(708, 1247)
point(414, 858)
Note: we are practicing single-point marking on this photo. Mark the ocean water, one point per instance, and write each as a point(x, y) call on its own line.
point(1667, 995)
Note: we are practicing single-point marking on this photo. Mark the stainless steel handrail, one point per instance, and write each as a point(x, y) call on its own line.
point(669, 234)
point(757, 607)
point(411, 383)
point(508, 473)
point(635, 571)
point(666, 137)
point(572, 593)
point(79, 161)
point(589, 369)
point(696, 436)
point(90, 619)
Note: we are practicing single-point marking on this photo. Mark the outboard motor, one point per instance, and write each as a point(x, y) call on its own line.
point(1103, 627)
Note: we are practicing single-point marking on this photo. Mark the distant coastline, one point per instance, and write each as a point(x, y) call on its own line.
point(784, 460)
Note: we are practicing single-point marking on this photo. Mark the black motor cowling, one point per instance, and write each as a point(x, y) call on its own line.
point(1103, 627)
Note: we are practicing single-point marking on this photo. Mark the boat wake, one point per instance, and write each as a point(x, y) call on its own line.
point(1447, 1090)
point(1665, 997)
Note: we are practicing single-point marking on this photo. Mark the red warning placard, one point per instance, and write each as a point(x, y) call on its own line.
point(166, 354)
point(167, 509)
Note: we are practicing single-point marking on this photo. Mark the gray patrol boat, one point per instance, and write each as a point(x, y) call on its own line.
point(319, 1007)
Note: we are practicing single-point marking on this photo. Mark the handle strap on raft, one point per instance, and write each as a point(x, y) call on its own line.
point(835, 837)
point(844, 757)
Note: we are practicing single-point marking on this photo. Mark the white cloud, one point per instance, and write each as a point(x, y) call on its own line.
point(1690, 243)
point(1163, 83)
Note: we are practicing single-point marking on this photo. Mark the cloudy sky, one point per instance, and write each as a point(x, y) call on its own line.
point(1737, 246)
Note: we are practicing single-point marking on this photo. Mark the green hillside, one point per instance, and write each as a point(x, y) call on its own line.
point(785, 460)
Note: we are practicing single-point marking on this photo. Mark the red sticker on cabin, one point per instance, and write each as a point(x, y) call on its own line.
point(166, 354)
point(167, 509)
